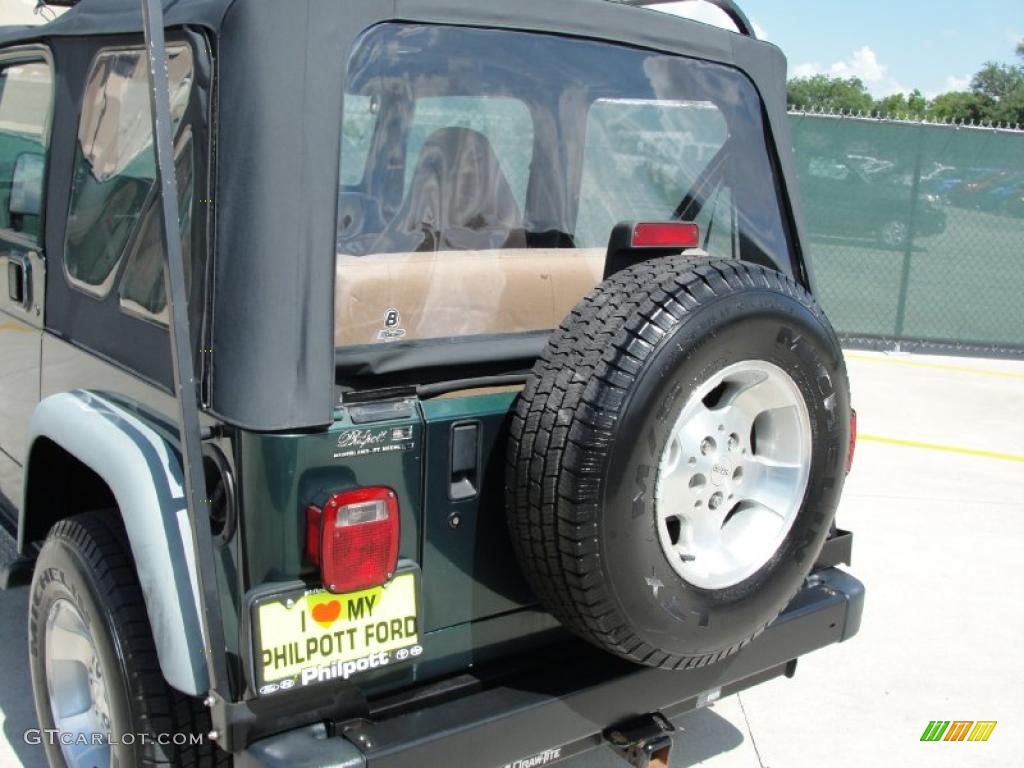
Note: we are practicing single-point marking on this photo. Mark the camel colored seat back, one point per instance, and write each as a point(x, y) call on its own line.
point(433, 295)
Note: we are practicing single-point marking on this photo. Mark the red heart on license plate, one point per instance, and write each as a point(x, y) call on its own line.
point(327, 613)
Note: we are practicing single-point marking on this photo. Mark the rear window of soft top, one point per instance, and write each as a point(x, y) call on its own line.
point(484, 170)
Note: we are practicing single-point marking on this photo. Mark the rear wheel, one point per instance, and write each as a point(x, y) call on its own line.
point(95, 673)
point(677, 457)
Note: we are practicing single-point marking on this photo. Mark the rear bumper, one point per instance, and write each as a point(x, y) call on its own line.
point(558, 715)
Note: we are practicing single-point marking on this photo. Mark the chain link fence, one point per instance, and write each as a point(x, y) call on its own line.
point(916, 231)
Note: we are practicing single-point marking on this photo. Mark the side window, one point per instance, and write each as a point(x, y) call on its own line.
point(115, 164)
point(26, 92)
point(141, 290)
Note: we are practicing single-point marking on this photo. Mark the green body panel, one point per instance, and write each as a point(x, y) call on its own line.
point(470, 571)
point(282, 474)
point(475, 605)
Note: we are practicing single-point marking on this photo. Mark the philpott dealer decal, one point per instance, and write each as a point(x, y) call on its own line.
point(306, 637)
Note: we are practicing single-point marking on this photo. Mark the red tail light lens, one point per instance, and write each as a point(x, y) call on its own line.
point(354, 539)
point(670, 234)
point(853, 440)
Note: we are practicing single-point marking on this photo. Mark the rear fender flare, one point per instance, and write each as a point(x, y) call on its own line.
point(143, 470)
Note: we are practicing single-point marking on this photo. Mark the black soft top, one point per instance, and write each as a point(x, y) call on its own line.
point(281, 66)
point(106, 17)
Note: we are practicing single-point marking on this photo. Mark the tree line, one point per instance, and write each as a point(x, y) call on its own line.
point(995, 95)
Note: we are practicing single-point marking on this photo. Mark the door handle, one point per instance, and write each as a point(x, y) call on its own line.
point(19, 280)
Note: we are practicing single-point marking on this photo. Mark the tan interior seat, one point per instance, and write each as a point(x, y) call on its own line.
point(458, 199)
point(453, 261)
point(459, 293)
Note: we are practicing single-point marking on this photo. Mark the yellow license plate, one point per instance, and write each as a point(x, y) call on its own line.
point(307, 637)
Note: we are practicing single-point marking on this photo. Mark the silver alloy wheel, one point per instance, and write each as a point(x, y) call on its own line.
point(77, 688)
point(733, 474)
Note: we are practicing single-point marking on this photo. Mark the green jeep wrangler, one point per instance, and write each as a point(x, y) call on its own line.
point(408, 383)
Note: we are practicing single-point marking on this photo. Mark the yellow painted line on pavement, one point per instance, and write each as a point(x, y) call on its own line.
point(942, 448)
point(935, 366)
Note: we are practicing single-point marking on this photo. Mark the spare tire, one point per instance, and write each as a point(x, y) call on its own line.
point(676, 458)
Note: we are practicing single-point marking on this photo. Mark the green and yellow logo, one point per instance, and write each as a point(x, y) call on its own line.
point(958, 730)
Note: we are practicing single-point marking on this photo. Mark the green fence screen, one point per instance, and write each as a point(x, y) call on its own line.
point(916, 230)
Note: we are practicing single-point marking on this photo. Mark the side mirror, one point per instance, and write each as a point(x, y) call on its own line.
point(27, 185)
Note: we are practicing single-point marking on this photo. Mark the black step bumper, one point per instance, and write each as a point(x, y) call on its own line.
point(552, 715)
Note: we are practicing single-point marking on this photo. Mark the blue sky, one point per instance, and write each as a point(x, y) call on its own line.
point(893, 45)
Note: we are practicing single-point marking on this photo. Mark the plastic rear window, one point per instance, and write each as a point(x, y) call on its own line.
point(483, 172)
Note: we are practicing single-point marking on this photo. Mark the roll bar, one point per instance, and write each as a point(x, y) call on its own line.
point(189, 432)
point(733, 11)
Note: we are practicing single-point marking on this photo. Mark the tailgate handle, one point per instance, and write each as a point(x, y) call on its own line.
point(465, 461)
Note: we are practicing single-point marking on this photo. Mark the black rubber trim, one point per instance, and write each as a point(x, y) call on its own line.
point(437, 360)
point(427, 391)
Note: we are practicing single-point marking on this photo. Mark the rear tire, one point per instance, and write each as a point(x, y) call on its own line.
point(93, 662)
point(590, 433)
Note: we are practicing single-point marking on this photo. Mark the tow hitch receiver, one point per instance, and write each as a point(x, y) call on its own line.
point(645, 742)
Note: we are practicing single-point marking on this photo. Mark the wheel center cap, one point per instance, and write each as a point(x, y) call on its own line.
point(721, 472)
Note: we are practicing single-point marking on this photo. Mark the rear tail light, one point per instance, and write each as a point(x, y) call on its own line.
point(354, 539)
point(853, 440)
point(668, 234)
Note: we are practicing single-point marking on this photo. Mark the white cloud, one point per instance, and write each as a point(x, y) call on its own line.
point(807, 69)
point(954, 83)
point(708, 14)
point(864, 64)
